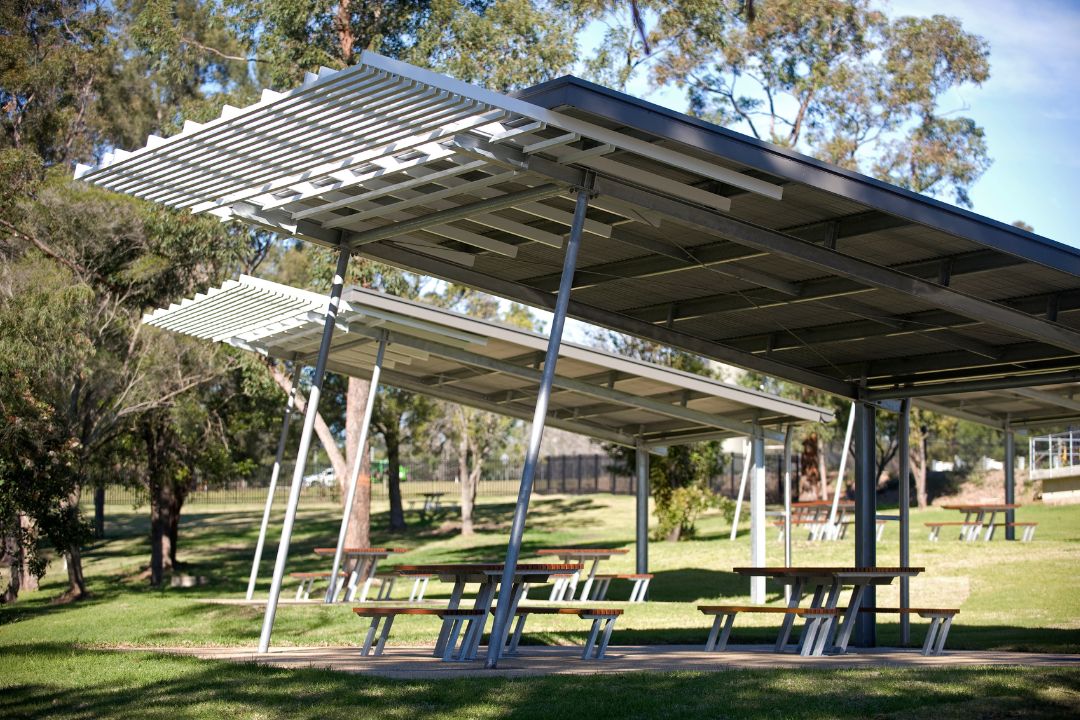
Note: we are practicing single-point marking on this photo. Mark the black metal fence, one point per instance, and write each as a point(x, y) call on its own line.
point(566, 474)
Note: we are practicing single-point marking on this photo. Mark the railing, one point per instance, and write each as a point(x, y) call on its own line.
point(1055, 455)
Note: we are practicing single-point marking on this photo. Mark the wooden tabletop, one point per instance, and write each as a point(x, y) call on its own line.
point(432, 494)
point(486, 568)
point(821, 503)
point(362, 551)
point(976, 507)
point(792, 571)
point(582, 551)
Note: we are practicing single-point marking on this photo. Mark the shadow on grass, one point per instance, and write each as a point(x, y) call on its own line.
point(95, 684)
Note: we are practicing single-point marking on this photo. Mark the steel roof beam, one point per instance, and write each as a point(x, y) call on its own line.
point(1001, 383)
point(713, 253)
point(628, 399)
point(816, 289)
point(1047, 398)
point(589, 313)
point(861, 271)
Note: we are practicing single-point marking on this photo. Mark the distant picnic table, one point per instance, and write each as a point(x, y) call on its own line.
point(975, 518)
point(581, 556)
point(488, 575)
point(360, 565)
point(825, 585)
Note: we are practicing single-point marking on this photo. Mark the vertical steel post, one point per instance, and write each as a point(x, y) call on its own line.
point(903, 432)
point(278, 456)
point(757, 516)
point(865, 515)
point(1010, 480)
point(354, 476)
point(787, 497)
point(305, 445)
point(641, 455)
point(543, 395)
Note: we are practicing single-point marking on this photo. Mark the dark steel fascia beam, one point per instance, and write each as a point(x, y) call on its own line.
point(1002, 383)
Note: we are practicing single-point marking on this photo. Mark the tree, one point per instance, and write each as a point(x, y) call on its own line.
point(477, 435)
point(398, 417)
point(834, 78)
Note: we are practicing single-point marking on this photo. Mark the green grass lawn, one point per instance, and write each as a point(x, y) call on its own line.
point(1012, 596)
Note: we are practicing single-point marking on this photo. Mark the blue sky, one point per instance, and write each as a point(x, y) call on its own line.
point(1030, 107)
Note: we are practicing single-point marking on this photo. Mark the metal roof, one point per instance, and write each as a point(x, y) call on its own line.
point(1044, 407)
point(482, 364)
point(697, 237)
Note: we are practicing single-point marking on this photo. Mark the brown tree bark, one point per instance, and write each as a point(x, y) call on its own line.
point(393, 477)
point(359, 534)
point(917, 454)
point(99, 511)
point(76, 579)
point(468, 493)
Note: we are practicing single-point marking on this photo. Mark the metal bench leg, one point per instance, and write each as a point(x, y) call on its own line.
point(843, 634)
point(721, 644)
point(989, 533)
point(515, 637)
point(1029, 533)
point(412, 592)
point(423, 589)
point(609, 625)
point(300, 590)
point(592, 639)
point(809, 635)
point(370, 638)
point(943, 632)
point(931, 633)
point(385, 634)
point(556, 591)
point(452, 640)
point(710, 644)
point(644, 589)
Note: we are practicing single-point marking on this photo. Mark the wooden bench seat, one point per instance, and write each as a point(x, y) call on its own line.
point(725, 619)
point(603, 622)
point(641, 581)
point(940, 623)
point(386, 615)
point(935, 527)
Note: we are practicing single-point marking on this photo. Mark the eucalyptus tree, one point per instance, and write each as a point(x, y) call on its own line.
point(838, 79)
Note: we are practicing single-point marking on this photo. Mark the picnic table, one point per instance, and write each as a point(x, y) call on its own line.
point(814, 515)
point(488, 576)
point(971, 528)
point(360, 565)
point(432, 504)
point(825, 585)
point(581, 556)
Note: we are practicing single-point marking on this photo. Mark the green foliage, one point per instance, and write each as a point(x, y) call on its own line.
point(835, 78)
point(680, 485)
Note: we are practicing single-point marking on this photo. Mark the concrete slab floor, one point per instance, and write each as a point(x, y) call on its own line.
point(418, 663)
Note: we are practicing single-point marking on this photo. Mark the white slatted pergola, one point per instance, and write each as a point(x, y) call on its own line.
point(689, 235)
point(490, 366)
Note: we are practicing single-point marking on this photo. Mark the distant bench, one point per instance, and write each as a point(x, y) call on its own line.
point(934, 644)
point(384, 580)
point(603, 621)
point(641, 581)
point(969, 529)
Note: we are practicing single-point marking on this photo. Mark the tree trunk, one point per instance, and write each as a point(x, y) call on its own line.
point(393, 479)
point(823, 475)
point(19, 577)
point(467, 493)
point(359, 534)
point(76, 580)
point(917, 454)
point(162, 528)
point(99, 511)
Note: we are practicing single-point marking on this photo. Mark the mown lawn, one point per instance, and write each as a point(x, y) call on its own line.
point(53, 660)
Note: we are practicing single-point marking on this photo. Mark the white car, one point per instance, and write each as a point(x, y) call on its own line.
point(324, 478)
